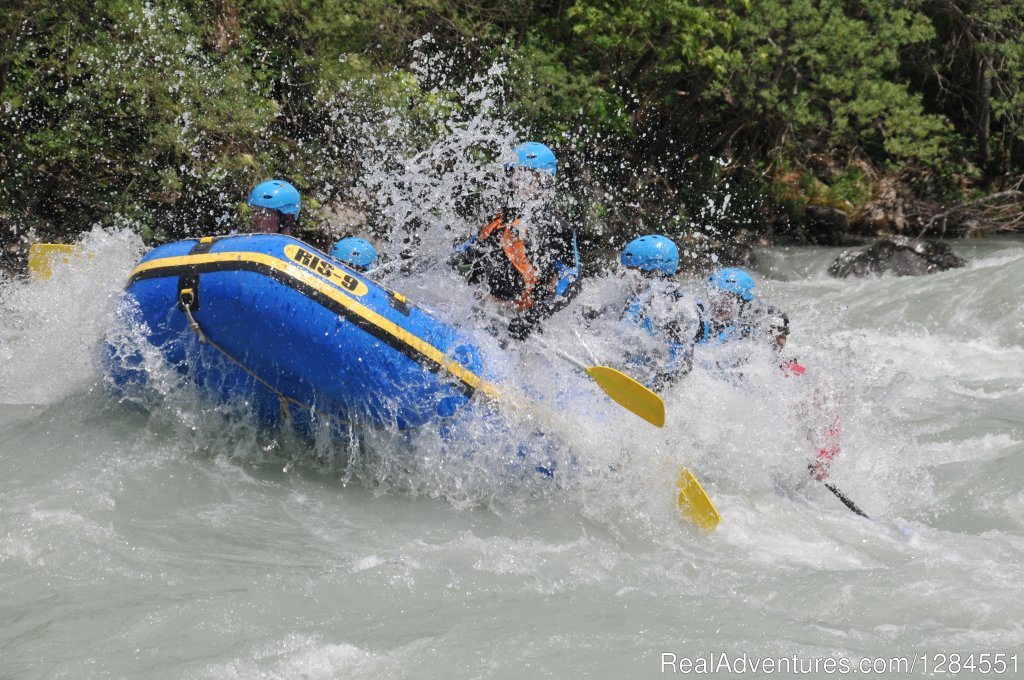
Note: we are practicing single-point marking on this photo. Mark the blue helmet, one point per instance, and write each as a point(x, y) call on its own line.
point(357, 252)
point(653, 252)
point(278, 195)
point(536, 156)
point(735, 281)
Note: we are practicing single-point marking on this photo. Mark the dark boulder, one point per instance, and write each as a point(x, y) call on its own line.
point(826, 226)
point(898, 255)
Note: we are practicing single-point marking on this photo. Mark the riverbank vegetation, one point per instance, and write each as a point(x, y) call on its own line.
point(799, 120)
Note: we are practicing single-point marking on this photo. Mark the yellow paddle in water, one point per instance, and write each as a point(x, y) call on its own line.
point(629, 394)
point(622, 389)
point(694, 503)
point(42, 257)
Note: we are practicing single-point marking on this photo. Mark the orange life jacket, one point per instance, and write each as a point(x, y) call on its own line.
point(515, 251)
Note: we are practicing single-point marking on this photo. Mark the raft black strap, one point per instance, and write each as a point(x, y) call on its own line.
point(189, 283)
point(398, 302)
point(187, 301)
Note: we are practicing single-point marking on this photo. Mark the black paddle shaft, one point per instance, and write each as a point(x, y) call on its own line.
point(846, 501)
point(842, 496)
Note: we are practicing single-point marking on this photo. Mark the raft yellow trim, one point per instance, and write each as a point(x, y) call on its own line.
point(340, 296)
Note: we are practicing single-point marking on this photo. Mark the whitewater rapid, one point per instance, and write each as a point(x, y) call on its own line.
point(172, 539)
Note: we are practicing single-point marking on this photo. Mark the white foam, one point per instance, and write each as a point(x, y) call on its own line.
point(52, 329)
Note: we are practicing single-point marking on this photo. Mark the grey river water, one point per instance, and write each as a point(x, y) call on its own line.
point(177, 541)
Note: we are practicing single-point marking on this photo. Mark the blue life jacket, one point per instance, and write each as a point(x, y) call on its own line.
point(568, 274)
point(673, 333)
point(716, 333)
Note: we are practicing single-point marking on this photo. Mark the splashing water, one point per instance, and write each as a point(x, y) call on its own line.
point(170, 537)
point(263, 552)
point(52, 328)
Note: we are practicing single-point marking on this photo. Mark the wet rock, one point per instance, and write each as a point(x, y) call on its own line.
point(898, 255)
point(825, 225)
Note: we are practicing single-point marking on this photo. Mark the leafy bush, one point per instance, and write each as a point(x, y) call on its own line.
point(164, 114)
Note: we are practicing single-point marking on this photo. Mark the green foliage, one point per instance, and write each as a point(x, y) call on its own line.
point(167, 112)
point(852, 186)
point(814, 71)
point(122, 108)
point(556, 99)
point(973, 71)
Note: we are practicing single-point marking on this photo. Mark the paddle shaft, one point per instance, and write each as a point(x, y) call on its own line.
point(565, 355)
point(840, 495)
point(846, 501)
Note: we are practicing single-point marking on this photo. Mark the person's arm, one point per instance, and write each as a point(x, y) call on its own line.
point(568, 270)
point(830, 444)
point(472, 258)
point(682, 334)
point(566, 277)
point(566, 283)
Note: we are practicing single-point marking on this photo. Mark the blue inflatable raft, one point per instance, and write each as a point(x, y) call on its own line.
point(273, 321)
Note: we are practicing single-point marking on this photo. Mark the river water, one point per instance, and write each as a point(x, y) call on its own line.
point(174, 540)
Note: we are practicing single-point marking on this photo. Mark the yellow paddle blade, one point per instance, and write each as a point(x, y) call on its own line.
point(630, 394)
point(42, 257)
point(694, 503)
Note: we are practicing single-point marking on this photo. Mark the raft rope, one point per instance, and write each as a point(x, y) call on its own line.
point(185, 299)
